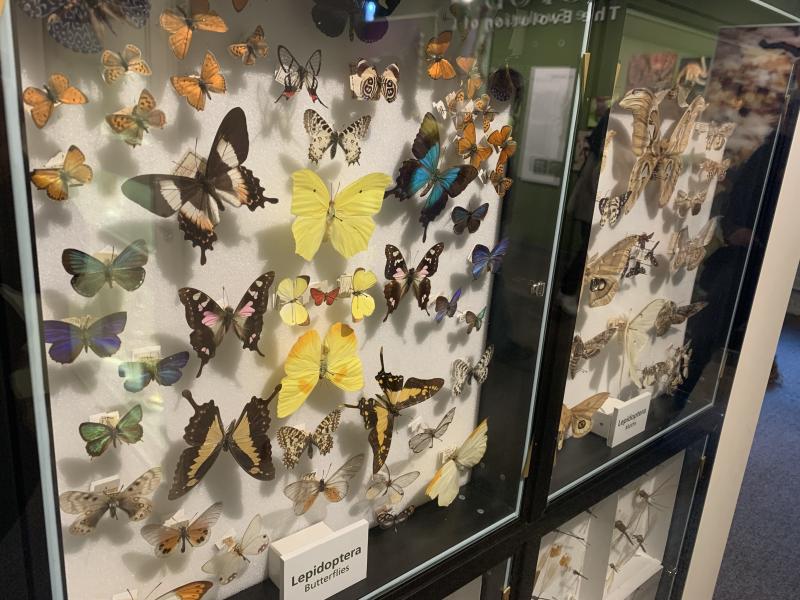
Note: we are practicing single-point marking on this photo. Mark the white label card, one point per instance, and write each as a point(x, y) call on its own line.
point(629, 419)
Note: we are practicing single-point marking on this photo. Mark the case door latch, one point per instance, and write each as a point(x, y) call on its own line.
point(537, 288)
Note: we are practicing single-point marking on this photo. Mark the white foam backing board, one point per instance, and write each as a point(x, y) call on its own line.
point(98, 215)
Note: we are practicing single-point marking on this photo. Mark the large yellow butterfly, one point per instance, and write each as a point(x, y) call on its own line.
point(362, 304)
point(345, 219)
point(310, 359)
point(445, 484)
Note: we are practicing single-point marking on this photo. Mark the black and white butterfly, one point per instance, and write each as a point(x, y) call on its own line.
point(402, 279)
point(424, 439)
point(295, 441)
point(200, 197)
point(295, 76)
point(611, 208)
point(387, 519)
point(324, 137)
point(366, 84)
point(464, 372)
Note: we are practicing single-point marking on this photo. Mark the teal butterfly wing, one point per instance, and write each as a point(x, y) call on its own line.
point(88, 273)
point(129, 428)
point(97, 436)
point(127, 268)
point(137, 374)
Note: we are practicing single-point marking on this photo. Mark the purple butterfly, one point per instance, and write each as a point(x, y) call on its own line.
point(101, 335)
point(445, 307)
point(484, 260)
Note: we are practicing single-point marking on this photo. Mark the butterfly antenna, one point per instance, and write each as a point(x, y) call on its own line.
point(383, 368)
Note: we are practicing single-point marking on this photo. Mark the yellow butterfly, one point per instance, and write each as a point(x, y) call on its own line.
point(290, 299)
point(310, 359)
point(362, 304)
point(445, 483)
point(345, 219)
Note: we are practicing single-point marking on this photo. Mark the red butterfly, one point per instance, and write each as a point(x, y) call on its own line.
point(327, 297)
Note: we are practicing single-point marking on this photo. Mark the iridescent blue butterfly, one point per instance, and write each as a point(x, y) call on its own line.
point(485, 260)
point(468, 220)
point(101, 335)
point(445, 307)
point(421, 174)
point(138, 374)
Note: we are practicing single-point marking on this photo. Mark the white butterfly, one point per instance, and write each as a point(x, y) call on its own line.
point(165, 538)
point(424, 439)
point(445, 483)
point(230, 564)
point(323, 136)
point(381, 485)
point(464, 372)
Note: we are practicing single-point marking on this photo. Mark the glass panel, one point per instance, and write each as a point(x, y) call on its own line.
point(677, 156)
point(172, 313)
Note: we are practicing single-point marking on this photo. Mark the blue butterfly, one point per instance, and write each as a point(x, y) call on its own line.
point(445, 307)
point(101, 335)
point(421, 174)
point(484, 260)
point(138, 374)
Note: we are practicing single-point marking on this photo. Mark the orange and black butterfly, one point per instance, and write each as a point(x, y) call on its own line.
point(482, 108)
point(195, 88)
point(501, 140)
point(57, 177)
point(440, 67)
point(499, 180)
point(468, 64)
point(132, 123)
point(254, 46)
point(128, 61)
point(470, 149)
point(56, 91)
point(181, 25)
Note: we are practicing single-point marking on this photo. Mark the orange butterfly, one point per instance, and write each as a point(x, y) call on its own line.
point(440, 67)
point(318, 296)
point(468, 64)
point(56, 91)
point(503, 143)
point(499, 180)
point(132, 123)
point(195, 88)
point(468, 148)
point(61, 173)
point(483, 108)
point(129, 61)
point(180, 26)
point(254, 46)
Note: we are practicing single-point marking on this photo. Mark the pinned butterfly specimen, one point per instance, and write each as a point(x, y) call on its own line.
point(199, 195)
point(604, 272)
point(578, 419)
point(290, 299)
point(445, 307)
point(673, 371)
point(611, 208)
point(99, 436)
point(464, 372)
point(482, 108)
point(469, 220)
point(445, 483)
point(362, 304)
point(324, 138)
point(384, 485)
point(304, 493)
point(62, 172)
point(689, 252)
point(489, 261)
point(295, 442)
point(364, 19)
point(320, 297)
point(716, 133)
point(80, 25)
point(245, 438)
point(311, 359)
point(90, 274)
point(469, 66)
point(711, 169)
point(345, 219)
point(499, 181)
point(196, 88)
point(366, 84)
point(233, 561)
point(474, 321)
point(402, 279)
point(502, 142)
point(689, 203)
point(253, 47)
point(68, 339)
point(132, 123)
point(439, 67)
point(165, 371)
point(504, 84)
point(386, 519)
point(581, 351)
point(671, 314)
point(210, 322)
point(193, 590)
point(422, 174)
point(165, 538)
point(91, 506)
point(657, 156)
point(295, 76)
point(116, 66)
point(469, 149)
point(182, 24)
point(641, 256)
point(424, 439)
point(380, 412)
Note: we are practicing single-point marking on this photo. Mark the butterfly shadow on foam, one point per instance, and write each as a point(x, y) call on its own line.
point(658, 276)
point(187, 122)
point(146, 566)
point(457, 337)
point(49, 213)
point(428, 326)
point(276, 249)
point(78, 471)
point(115, 160)
point(344, 111)
point(118, 533)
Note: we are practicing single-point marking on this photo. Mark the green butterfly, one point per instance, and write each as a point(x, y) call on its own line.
point(98, 436)
point(89, 274)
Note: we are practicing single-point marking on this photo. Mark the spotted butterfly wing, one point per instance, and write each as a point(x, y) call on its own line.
point(165, 538)
point(464, 372)
point(324, 138)
point(253, 47)
point(611, 208)
point(401, 280)
point(194, 590)
point(294, 441)
point(366, 84)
